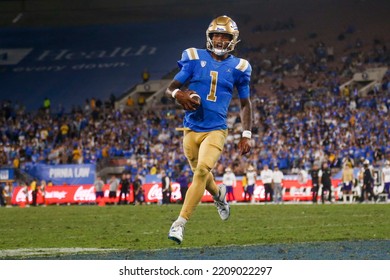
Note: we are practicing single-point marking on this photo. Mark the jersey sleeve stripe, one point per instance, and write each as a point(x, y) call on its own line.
point(242, 65)
point(192, 53)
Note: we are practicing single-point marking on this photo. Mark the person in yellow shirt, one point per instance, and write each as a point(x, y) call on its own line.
point(34, 192)
point(63, 133)
point(16, 162)
point(153, 170)
point(105, 151)
point(42, 190)
point(352, 121)
point(346, 91)
point(141, 101)
point(77, 155)
point(145, 75)
point(244, 186)
point(130, 102)
point(93, 104)
point(64, 129)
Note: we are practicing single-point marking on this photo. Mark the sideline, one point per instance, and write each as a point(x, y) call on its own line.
point(326, 250)
point(31, 252)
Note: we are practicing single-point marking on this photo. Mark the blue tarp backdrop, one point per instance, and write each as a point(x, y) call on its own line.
point(69, 65)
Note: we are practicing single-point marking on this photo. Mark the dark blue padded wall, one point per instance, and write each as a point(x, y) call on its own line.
point(69, 65)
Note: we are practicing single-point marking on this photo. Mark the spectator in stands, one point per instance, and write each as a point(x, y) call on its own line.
point(63, 132)
point(145, 75)
point(130, 102)
point(141, 101)
point(99, 104)
point(87, 107)
point(93, 104)
point(77, 155)
point(46, 105)
point(112, 101)
point(3, 156)
point(360, 125)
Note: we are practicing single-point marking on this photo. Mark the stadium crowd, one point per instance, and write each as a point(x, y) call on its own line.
point(300, 116)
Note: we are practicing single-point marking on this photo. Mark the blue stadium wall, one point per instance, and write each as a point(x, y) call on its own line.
point(69, 65)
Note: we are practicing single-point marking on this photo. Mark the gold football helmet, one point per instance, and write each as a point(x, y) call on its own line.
point(225, 25)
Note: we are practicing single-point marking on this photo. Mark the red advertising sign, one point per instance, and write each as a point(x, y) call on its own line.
point(292, 191)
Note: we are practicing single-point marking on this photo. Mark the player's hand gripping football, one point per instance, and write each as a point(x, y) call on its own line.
point(183, 97)
point(244, 146)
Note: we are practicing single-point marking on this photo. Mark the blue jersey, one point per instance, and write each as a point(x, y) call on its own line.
point(214, 81)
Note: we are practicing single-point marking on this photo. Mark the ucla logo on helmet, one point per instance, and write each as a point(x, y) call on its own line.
point(234, 25)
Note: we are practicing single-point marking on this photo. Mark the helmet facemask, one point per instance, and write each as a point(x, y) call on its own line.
point(226, 47)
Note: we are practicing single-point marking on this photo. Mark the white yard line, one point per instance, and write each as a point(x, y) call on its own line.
point(48, 251)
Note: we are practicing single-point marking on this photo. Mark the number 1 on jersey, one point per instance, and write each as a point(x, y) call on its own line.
point(213, 86)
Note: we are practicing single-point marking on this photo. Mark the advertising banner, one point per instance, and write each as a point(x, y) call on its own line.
point(6, 174)
point(64, 174)
point(79, 194)
point(71, 64)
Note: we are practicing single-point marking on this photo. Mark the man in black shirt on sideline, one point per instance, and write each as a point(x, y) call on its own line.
point(325, 177)
point(314, 173)
point(368, 183)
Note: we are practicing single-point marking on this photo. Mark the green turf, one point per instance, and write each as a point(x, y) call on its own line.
point(146, 227)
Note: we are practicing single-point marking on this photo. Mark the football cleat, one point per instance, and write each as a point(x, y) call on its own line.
point(220, 201)
point(176, 233)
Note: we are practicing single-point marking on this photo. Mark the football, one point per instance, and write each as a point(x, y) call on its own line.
point(196, 97)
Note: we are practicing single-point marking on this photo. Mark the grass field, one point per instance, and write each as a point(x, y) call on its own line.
point(146, 227)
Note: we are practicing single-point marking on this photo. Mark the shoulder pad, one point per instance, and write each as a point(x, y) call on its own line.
point(192, 53)
point(242, 65)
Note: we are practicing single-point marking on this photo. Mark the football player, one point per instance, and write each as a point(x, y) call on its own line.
point(211, 74)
